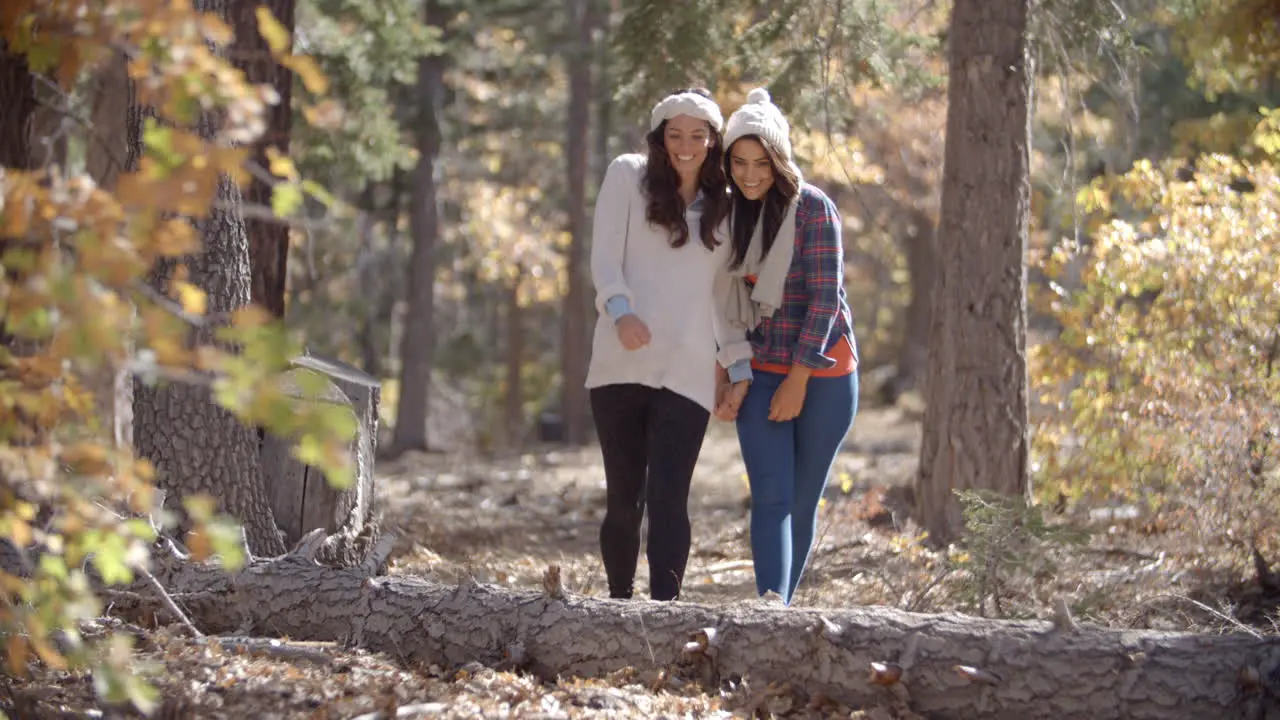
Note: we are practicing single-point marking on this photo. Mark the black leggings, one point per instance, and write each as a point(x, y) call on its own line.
point(650, 439)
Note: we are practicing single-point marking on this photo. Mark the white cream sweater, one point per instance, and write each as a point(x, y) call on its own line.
point(671, 289)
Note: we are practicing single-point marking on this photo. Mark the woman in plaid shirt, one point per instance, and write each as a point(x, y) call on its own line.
point(795, 400)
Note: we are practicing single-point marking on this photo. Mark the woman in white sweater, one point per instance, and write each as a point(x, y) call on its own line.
point(657, 253)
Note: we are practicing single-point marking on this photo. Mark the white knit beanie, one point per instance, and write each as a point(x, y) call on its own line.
point(762, 118)
point(686, 103)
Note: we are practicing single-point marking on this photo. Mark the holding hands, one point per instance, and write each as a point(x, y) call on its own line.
point(729, 398)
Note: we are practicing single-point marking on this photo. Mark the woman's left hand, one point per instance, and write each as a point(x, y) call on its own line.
point(788, 399)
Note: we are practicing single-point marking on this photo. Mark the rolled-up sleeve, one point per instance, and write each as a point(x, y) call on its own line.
point(822, 258)
point(609, 231)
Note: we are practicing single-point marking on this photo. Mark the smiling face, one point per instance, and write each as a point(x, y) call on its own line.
point(750, 168)
point(687, 140)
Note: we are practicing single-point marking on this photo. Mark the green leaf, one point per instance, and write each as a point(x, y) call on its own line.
point(141, 528)
point(339, 477)
point(43, 56)
point(53, 566)
point(285, 199)
point(110, 560)
point(158, 141)
point(318, 191)
point(309, 450)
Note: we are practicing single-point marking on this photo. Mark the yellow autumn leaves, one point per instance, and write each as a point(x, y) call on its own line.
point(81, 316)
point(1167, 366)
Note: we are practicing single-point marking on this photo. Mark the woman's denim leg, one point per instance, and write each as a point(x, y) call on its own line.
point(768, 450)
point(830, 404)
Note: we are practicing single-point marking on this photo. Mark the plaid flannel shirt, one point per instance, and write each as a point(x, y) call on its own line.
point(815, 313)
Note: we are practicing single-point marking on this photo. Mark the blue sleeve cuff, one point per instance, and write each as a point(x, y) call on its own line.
point(617, 306)
point(739, 371)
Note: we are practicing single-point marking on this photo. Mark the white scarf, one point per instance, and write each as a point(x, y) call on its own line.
point(745, 306)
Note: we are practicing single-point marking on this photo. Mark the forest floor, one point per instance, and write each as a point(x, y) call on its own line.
point(504, 520)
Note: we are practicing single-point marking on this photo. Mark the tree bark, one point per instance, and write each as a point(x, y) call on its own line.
point(106, 153)
point(417, 344)
point(17, 107)
point(583, 16)
point(1020, 669)
point(975, 425)
point(268, 241)
point(195, 445)
point(917, 242)
point(368, 264)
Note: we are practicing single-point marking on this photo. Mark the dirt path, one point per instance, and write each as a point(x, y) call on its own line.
point(504, 520)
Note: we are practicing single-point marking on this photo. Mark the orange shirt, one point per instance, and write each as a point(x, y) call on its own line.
point(842, 353)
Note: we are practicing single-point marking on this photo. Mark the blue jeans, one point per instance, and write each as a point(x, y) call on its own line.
point(787, 466)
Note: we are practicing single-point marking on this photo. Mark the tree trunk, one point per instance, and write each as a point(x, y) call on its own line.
point(368, 264)
point(108, 148)
point(975, 425)
point(1019, 669)
point(573, 342)
point(17, 106)
point(106, 154)
point(913, 355)
point(195, 445)
point(417, 342)
point(268, 240)
point(514, 411)
point(604, 100)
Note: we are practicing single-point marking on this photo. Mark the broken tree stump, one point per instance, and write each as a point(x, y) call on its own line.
point(301, 497)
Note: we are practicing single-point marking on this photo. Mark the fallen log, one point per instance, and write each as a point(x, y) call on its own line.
point(944, 666)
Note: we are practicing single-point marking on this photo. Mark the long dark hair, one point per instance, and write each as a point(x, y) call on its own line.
point(662, 186)
point(785, 187)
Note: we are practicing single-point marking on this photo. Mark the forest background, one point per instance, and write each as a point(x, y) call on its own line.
point(416, 181)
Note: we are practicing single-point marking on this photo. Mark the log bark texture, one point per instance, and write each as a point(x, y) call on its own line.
point(1021, 669)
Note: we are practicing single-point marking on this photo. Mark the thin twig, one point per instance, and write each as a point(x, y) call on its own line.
point(1216, 613)
point(289, 651)
point(262, 213)
point(645, 630)
point(918, 603)
point(167, 304)
point(169, 603)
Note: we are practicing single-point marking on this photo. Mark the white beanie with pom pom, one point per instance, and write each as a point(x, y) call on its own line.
point(760, 117)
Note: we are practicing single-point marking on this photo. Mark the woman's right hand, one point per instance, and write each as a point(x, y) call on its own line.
point(632, 331)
